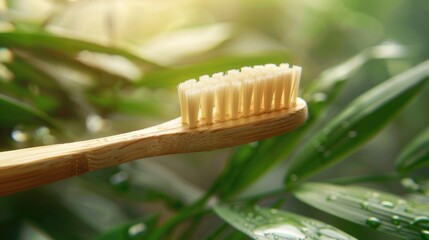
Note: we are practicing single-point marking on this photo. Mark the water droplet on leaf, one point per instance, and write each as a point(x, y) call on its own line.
point(396, 220)
point(420, 221)
point(136, 231)
point(364, 205)
point(373, 222)
point(424, 234)
point(279, 232)
point(331, 198)
point(387, 204)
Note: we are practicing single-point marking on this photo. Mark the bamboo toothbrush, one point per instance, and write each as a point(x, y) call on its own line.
point(224, 110)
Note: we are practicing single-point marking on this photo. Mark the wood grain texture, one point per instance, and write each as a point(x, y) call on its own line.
point(26, 168)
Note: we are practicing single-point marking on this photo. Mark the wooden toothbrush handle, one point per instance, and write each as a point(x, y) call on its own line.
point(31, 167)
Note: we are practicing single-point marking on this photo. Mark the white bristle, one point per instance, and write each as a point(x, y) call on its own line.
point(182, 88)
point(247, 89)
point(207, 99)
point(296, 80)
point(234, 99)
point(258, 91)
point(268, 91)
point(221, 101)
point(287, 78)
point(278, 89)
point(238, 93)
point(193, 105)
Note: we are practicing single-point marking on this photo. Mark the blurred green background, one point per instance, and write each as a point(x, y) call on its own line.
point(74, 70)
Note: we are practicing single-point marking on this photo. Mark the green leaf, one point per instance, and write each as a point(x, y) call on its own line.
point(18, 112)
point(382, 211)
point(357, 123)
point(415, 155)
point(263, 223)
point(248, 162)
point(43, 41)
point(133, 230)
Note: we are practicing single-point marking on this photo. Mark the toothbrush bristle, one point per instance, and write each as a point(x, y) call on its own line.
point(238, 93)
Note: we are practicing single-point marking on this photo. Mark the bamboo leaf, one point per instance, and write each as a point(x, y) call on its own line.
point(382, 211)
point(18, 112)
point(360, 120)
point(263, 223)
point(416, 154)
point(43, 41)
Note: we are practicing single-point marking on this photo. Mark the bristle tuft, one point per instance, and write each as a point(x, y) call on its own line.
point(238, 93)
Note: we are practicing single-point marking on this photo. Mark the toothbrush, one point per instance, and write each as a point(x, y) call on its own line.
point(218, 111)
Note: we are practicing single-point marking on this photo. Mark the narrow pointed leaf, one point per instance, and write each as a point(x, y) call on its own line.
point(15, 112)
point(263, 223)
point(415, 155)
point(43, 41)
point(360, 120)
point(374, 209)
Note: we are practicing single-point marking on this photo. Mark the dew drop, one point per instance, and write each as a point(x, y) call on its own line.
point(420, 220)
point(136, 230)
point(387, 204)
point(279, 232)
point(352, 134)
point(331, 198)
point(373, 222)
point(364, 205)
point(424, 234)
point(396, 220)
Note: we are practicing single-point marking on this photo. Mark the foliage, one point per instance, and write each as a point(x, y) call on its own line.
point(367, 121)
